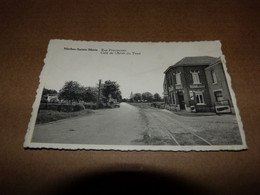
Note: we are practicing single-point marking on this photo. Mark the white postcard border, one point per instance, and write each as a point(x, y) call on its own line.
point(33, 145)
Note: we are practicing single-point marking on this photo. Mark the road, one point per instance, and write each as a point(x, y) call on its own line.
point(140, 125)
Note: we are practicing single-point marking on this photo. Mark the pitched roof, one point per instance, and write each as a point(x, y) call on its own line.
point(194, 61)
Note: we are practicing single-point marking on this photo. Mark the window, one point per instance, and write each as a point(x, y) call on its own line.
point(218, 96)
point(172, 98)
point(213, 76)
point(191, 95)
point(170, 80)
point(178, 78)
point(199, 97)
point(173, 79)
point(195, 77)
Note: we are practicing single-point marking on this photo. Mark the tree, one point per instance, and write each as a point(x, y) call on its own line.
point(137, 97)
point(111, 88)
point(45, 93)
point(49, 92)
point(147, 96)
point(80, 93)
point(157, 97)
point(72, 91)
point(124, 100)
point(91, 94)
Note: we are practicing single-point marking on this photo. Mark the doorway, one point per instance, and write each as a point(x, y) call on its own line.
point(181, 100)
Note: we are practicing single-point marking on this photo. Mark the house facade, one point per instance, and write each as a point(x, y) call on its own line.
point(218, 88)
point(52, 98)
point(188, 85)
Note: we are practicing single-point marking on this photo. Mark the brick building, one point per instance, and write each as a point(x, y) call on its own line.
point(218, 88)
point(196, 84)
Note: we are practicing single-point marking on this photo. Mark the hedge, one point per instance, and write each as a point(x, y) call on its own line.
point(62, 107)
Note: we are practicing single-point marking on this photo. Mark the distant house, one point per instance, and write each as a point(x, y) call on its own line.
point(52, 98)
point(197, 84)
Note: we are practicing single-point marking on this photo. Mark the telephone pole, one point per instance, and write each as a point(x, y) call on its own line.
point(98, 98)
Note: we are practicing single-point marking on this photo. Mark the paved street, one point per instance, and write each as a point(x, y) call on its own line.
point(140, 125)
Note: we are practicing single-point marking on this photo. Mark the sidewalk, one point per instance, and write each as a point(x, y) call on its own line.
point(186, 113)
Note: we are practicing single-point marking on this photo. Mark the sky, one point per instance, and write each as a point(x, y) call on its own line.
point(136, 72)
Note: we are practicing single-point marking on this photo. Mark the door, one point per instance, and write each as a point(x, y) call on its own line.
point(181, 100)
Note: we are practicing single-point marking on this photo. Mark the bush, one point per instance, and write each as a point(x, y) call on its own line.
point(78, 107)
point(90, 105)
point(65, 108)
point(153, 104)
point(93, 106)
point(62, 107)
point(158, 105)
point(48, 106)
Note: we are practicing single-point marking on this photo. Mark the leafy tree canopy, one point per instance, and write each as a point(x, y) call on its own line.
point(137, 97)
point(157, 97)
point(49, 92)
point(147, 96)
point(111, 88)
point(72, 91)
point(91, 94)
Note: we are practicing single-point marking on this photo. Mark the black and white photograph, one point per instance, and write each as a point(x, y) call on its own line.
point(173, 96)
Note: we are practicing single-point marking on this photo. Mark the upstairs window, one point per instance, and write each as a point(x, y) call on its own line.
point(195, 77)
point(173, 80)
point(178, 78)
point(165, 86)
point(213, 76)
point(170, 80)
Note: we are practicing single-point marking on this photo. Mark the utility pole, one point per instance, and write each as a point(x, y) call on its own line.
point(98, 98)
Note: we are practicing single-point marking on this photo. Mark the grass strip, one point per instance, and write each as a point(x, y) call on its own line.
point(46, 116)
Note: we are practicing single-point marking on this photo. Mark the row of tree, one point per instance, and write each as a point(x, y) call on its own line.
point(72, 91)
point(146, 96)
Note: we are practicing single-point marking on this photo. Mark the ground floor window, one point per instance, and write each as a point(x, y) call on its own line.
point(172, 98)
point(218, 96)
point(191, 95)
point(199, 97)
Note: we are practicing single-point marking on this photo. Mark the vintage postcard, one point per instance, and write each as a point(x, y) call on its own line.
point(173, 96)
